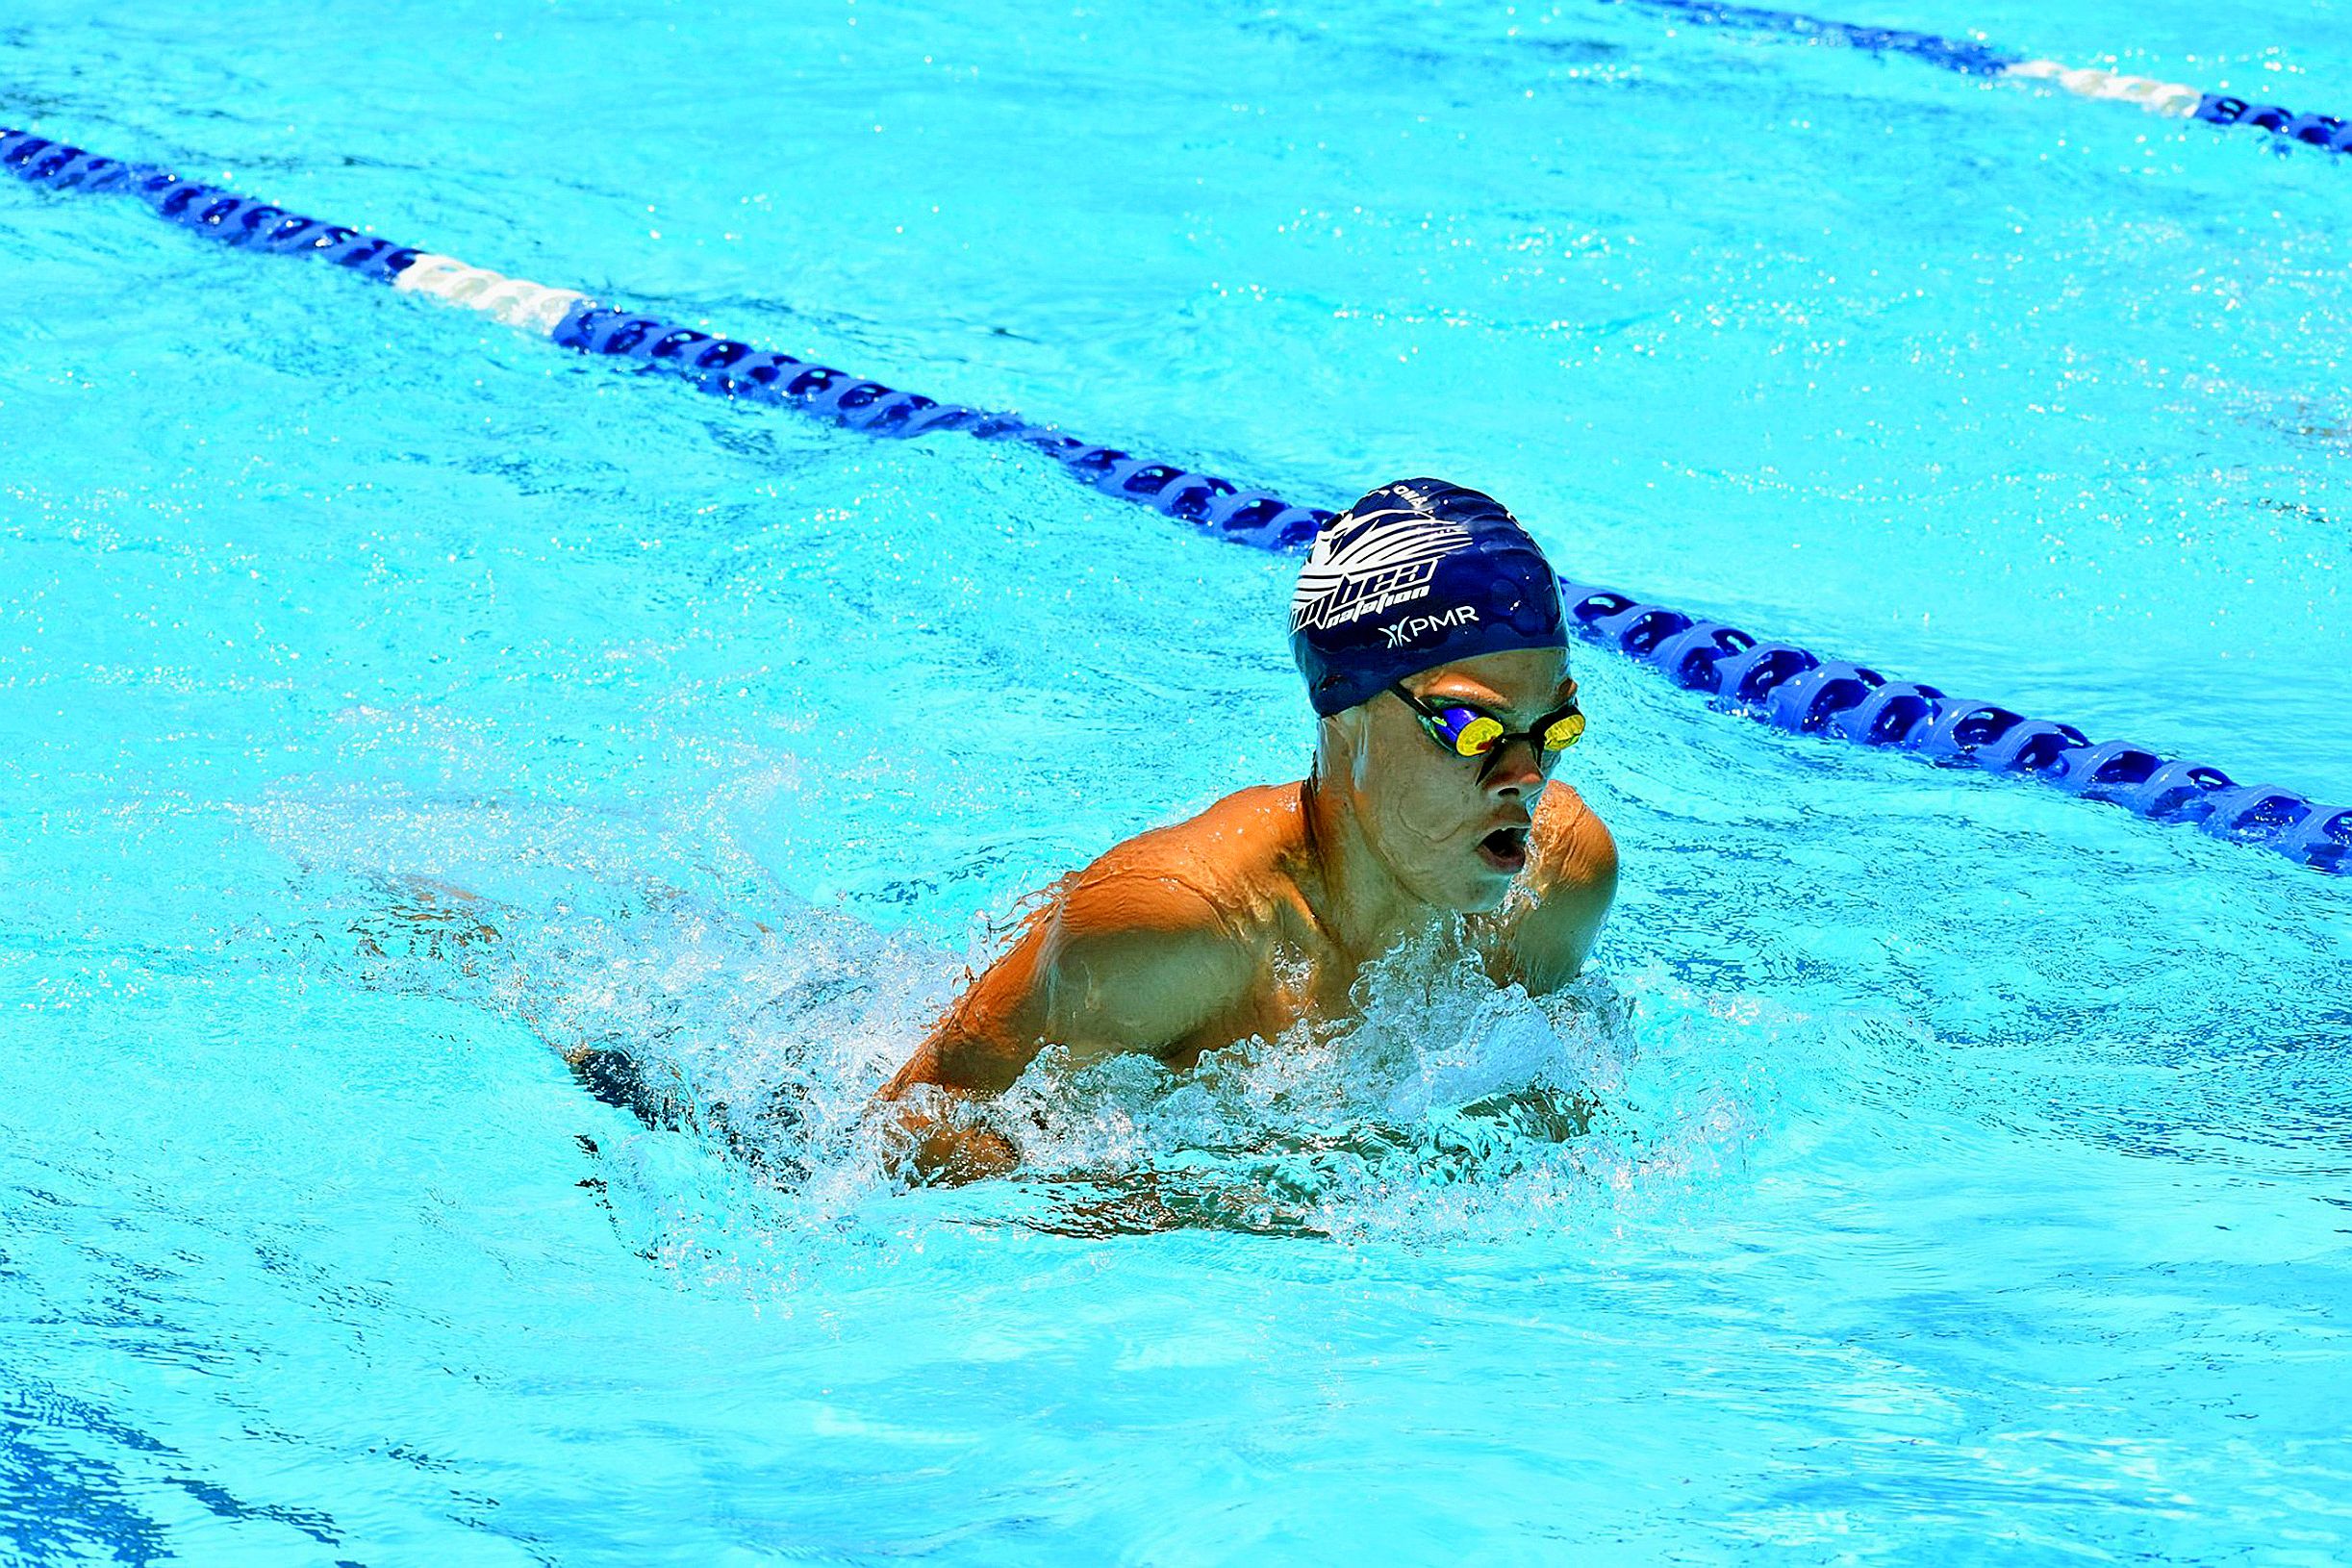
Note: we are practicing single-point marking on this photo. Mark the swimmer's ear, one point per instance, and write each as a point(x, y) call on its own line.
point(1339, 744)
point(1333, 739)
point(1346, 727)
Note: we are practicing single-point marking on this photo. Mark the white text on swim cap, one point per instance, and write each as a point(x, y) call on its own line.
point(1371, 563)
point(1412, 626)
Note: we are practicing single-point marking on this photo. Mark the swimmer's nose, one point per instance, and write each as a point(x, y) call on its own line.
point(1514, 772)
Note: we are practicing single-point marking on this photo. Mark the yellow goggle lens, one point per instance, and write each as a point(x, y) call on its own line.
point(1477, 736)
point(1564, 733)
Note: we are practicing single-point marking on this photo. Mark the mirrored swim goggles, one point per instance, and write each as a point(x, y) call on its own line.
point(1466, 732)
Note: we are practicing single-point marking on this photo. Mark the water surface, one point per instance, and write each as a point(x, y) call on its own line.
point(1969, 1177)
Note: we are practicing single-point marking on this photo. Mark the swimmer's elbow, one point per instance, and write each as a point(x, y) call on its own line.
point(988, 1037)
point(961, 1061)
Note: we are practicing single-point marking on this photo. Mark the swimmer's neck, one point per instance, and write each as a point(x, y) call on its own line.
point(1355, 897)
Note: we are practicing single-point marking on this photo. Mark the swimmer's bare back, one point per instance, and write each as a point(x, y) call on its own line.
point(1194, 936)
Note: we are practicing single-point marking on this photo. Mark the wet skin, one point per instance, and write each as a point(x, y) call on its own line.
point(1261, 911)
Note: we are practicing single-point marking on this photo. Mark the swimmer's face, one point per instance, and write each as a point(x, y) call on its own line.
point(1452, 837)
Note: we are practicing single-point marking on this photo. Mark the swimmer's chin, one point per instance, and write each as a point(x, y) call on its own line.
point(1487, 902)
point(1489, 891)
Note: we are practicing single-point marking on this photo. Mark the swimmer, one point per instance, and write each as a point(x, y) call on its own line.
point(1429, 627)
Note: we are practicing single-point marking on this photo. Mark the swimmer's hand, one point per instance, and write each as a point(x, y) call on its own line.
point(932, 1138)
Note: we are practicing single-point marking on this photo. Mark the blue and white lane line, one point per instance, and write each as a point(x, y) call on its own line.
point(1783, 684)
point(1972, 57)
point(717, 365)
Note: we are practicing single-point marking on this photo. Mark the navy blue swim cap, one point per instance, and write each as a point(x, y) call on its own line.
point(1416, 575)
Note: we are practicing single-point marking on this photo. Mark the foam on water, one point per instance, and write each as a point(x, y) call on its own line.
point(1447, 1109)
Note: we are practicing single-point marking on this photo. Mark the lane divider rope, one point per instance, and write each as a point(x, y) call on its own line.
point(1779, 683)
point(2173, 100)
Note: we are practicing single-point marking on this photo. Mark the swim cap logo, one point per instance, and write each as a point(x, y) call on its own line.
point(1412, 626)
point(1376, 564)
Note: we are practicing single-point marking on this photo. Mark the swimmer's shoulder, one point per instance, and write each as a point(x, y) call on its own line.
point(1573, 850)
point(1233, 857)
point(1571, 881)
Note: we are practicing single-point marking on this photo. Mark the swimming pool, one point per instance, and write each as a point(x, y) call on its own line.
point(1972, 1181)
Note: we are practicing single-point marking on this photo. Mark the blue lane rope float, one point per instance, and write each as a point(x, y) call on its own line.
point(1777, 682)
point(2173, 100)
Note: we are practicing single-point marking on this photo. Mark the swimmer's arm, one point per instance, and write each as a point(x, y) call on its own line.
point(976, 1051)
point(1572, 876)
point(1124, 960)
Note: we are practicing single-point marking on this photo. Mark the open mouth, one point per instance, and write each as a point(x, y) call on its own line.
point(1506, 849)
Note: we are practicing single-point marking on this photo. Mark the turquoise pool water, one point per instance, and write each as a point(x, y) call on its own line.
point(1972, 1183)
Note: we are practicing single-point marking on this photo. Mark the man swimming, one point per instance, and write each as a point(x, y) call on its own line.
point(1429, 626)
